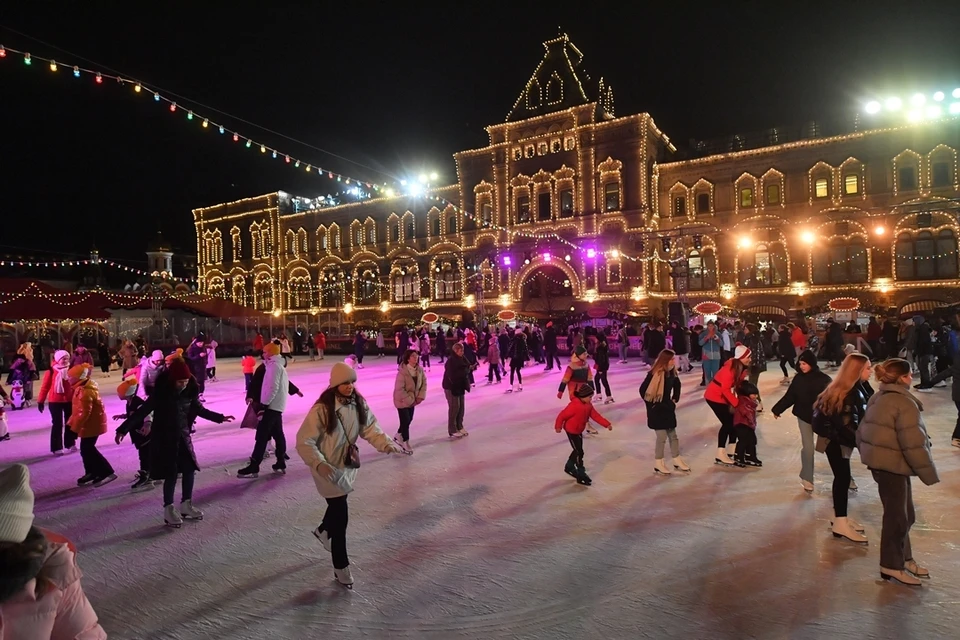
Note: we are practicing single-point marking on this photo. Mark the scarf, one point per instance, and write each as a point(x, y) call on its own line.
point(346, 400)
point(654, 392)
point(59, 378)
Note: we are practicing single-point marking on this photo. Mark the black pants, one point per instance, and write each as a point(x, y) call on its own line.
point(334, 523)
point(201, 382)
point(956, 430)
point(576, 456)
point(94, 464)
point(247, 380)
point(143, 453)
point(105, 365)
point(898, 516)
point(270, 426)
point(551, 356)
point(517, 370)
point(211, 373)
point(425, 358)
point(406, 417)
point(841, 478)
point(722, 411)
point(61, 437)
point(785, 359)
point(494, 368)
point(746, 443)
point(601, 379)
point(359, 355)
point(170, 485)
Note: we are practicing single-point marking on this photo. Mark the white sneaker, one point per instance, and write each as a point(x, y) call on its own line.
point(190, 512)
point(807, 486)
point(344, 577)
point(941, 384)
point(722, 458)
point(680, 465)
point(324, 539)
point(843, 528)
point(171, 517)
point(924, 390)
point(660, 468)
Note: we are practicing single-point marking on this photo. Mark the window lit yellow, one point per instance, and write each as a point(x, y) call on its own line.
point(851, 184)
point(773, 194)
point(821, 188)
point(746, 197)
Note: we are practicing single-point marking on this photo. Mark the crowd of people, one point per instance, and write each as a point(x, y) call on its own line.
point(163, 396)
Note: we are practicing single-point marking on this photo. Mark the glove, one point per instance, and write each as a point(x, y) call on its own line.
point(559, 395)
point(40, 407)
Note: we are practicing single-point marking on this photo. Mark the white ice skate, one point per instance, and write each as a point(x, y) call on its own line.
point(190, 512)
point(853, 523)
point(519, 388)
point(843, 528)
point(731, 449)
point(680, 465)
point(344, 577)
point(608, 400)
point(324, 539)
point(171, 517)
point(722, 458)
point(807, 486)
point(660, 468)
point(915, 569)
point(900, 576)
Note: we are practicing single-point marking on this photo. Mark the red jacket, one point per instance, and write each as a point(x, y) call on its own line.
point(745, 415)
point(48, 389)
point(320, 341)
point(723, 385)
point(248, 364)
point(798, 338)
point(575, 416)
point(258, 343)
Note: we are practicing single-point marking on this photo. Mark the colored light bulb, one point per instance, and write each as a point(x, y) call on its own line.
point(288, 159)
point(76, 72)
point(221, 129)
point(308, 168)
point(248, 144)
point(156, 96)
point(26, 59)
point(274, 154)
point(98, 79)
point(190, 115)
point(53, 65)
point(206, 123)
point(263, 149)
point(236, 138)
point(3, 52)
point(173, 107)
point(138, 88)
point(297, 164)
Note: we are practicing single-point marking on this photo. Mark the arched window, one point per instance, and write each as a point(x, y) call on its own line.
point(435, 226)
point(925, 255)
point(452, 225)
point(701, 271)
point(765, 267)
point(447, 283)
point(406, 287)
point(841, 262)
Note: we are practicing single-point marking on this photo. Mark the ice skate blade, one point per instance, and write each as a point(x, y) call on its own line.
point(172, 525)
point(723, 463)
point(249, 476)
point(840, 535)
point(193, 518)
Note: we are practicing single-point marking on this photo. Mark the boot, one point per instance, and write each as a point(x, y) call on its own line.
point(324, 539)
point(189, 512)
point(86, 479)
point(344, 577)
point(608, 400)
point(582, 477)
point(252, 470)
point(900, 576)
point(171, 517)
point(142, 482)
point(915, 569)
point(853, 523)
point(570, 468)
point(680, 465)
point(731, 449)
point(280, 468)
point(842, 528)
point(722, 458)
point(660, 468)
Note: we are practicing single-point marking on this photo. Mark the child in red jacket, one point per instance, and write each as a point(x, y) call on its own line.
point(248, 364)
point(745, 423)
point(573, 419)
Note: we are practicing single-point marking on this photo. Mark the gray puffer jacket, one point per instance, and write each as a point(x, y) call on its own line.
point(892, 436)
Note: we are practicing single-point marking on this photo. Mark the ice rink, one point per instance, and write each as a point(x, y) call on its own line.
point(486, 537)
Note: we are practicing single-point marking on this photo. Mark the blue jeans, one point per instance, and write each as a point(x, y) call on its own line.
point(710, 369)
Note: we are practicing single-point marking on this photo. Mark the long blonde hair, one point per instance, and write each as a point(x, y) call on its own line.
point(662, 362)
point(831, 400)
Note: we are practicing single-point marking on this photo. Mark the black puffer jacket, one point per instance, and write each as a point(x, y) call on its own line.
point(802, 393)
point(785, 345)
point(601, 357)
point(842, 427)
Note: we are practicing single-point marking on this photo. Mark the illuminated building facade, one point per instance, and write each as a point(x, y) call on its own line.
point(570, 206)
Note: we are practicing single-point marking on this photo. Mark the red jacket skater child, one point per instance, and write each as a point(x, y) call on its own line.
point(573, 419)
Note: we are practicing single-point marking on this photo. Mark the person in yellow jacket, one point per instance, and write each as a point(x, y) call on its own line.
point(88, 419)
point(327, 443)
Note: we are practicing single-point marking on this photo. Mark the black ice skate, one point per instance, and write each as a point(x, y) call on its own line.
point(570, 469)
point(583, 478)
point(752, 461)
point(250, 471)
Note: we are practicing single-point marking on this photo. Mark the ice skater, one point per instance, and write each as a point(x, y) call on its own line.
point(56, 388)
point(4, 400)
point(150, 369)
point(139, 431)
point(722, 399)
point(326, 442)
point(601, 363)
point(493, 361)
point(425, 349)
point(661, 392)
point(175, 405)
point(255, 393)
point(573, 419)
point(576, 375)
point(88, 419)
point(409, 390)
point(518, 355)
point(745, 425)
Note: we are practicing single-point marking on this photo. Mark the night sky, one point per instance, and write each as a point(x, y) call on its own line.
point(395, 87)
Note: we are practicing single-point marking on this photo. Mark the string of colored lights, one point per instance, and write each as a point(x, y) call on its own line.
point(140, 87)
point(77, 263)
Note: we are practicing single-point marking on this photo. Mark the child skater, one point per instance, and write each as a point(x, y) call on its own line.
point(493, 360)
point(573, 419)
point(139, 431)
point(88, 420)
point(661, 392)
point(249, 365)
point(577, 375)
point(425, 349)
point(745, 424)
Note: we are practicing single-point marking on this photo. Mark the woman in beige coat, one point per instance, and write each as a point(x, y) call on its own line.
point(339, 417)
point(409, 390)
point(893, 443)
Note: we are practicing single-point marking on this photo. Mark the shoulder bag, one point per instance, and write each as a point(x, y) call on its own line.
point(351, 457)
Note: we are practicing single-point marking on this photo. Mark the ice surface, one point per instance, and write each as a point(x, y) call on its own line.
point(488, 538)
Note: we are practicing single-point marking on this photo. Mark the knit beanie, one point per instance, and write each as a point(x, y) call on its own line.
point(157, 355)
point(178, 370)
point(16, 504)
point(127, 388)
point(79, 372)
point(808, 356)
point(741, 352)
point(848, 349)
point(271, 349)
point(918, 320)
point(585, 391)
point(341, 373)
point(178, 354)
point(60, 355)
point(580, 353)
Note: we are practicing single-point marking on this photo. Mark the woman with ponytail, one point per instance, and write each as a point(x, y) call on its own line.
point(837, 413)
point(894, 444)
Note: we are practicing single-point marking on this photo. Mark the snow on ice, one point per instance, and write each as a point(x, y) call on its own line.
point(486, 537)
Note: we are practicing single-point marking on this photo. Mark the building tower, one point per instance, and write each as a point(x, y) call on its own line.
point(160, 257)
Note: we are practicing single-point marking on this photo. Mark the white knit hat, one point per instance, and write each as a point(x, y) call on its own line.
point(340, 374)
point(60, 355)
point(16, 504)
point(741, 352)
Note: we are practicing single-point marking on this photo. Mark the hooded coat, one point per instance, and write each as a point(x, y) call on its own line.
point(88, 418)
point(892, 436)
point(803, 392)
point(171, 448)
